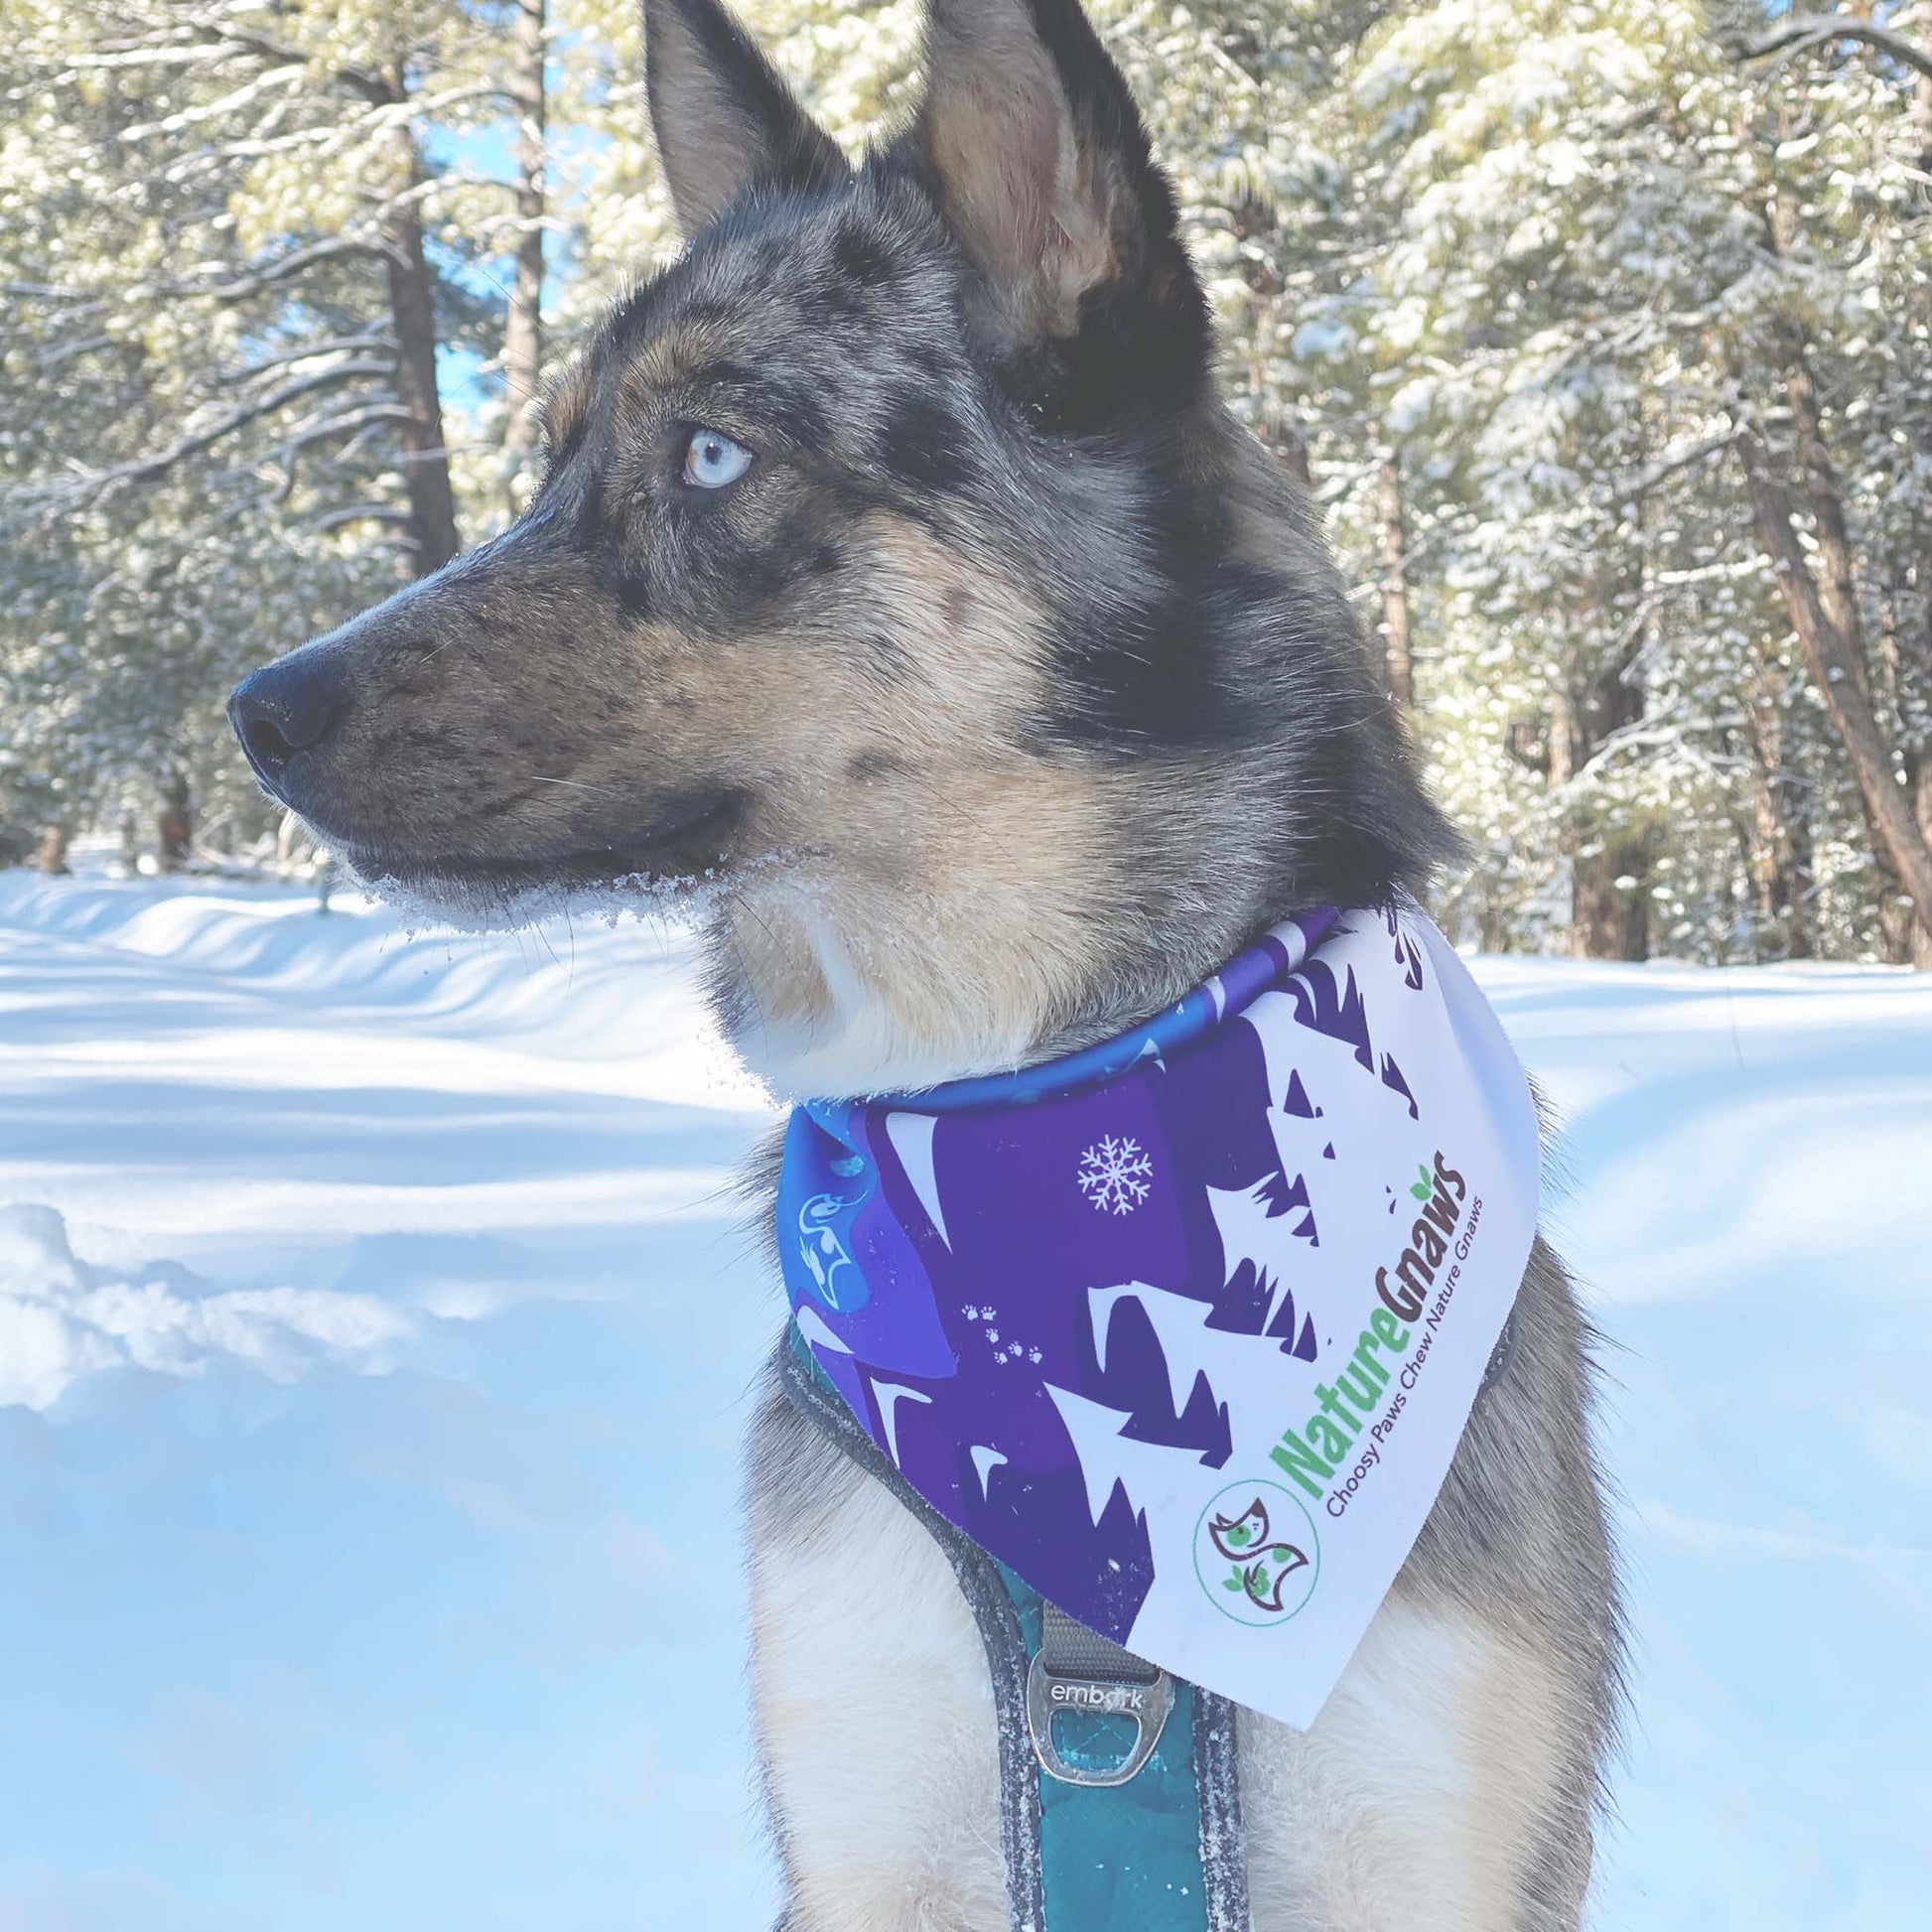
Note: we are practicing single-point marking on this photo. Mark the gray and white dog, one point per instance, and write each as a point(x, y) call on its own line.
point(899, 568)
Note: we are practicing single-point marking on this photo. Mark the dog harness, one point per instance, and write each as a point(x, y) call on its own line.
point(1169, 1342)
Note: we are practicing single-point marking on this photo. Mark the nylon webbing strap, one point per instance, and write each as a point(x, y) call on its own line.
point(986, 1596)
point(1161, 1850)
point(1070, 1649)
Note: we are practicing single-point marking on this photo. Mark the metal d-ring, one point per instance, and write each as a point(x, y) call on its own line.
point(1050, 1692)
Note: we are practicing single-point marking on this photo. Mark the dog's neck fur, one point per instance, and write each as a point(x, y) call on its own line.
point(1057, 900)
point(832, 986)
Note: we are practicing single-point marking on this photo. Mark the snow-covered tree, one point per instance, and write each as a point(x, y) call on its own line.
point(1601, 328)
point(230, 270)
point(1531, 387)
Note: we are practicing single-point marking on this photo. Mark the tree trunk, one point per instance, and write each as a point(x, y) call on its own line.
point(1609, 871)
point(1922, 804)
point(1610, 899)
point(412, 312)
point(174, 823)
point(1781, 864)
point(523, 327)
point(1779, 856)
point(1823, 607)
point(1922, 128)
point(1271, 425)
point(51, 856)
point(1921, 673)
point(1835, 577)
point(1836, 657)
point(1905, 690)
point(1395, 592)
point(1562, 739)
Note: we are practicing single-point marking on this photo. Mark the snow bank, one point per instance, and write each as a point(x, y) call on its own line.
point(609, 984)
point(61, 1320)
point(377, 1325)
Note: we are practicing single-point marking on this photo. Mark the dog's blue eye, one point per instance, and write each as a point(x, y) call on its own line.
point(712, 460)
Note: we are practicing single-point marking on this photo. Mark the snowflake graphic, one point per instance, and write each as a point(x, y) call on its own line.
point(1115, 1173)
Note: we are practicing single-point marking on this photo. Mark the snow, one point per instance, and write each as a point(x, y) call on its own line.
point(377, 1322)
point(61, 1320)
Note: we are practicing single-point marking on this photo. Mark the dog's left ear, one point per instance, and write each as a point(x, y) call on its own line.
point(724, 118)
point(1032, 139)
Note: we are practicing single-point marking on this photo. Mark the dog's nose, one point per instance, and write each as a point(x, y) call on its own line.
point(286, 707)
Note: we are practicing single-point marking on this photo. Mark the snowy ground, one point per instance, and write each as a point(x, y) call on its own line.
point(374, 1331)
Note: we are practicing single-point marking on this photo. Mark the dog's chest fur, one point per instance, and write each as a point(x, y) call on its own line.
point(1448, 1784)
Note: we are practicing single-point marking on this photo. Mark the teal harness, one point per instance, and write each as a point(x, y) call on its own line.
point(1120, 1809)
point(1120, 1804)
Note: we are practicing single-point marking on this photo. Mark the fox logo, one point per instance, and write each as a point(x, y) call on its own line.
point(1257, 1573)
point(834, 1275)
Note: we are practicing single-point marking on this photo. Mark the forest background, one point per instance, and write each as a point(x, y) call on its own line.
point(1601, 328)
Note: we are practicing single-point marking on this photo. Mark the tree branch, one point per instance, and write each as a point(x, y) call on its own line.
point(278, 271)
point(58, 355)
point(92, 485)
point(1645, 481)
point(316, 431)
point(356, 422)
point(1800, 33)
point(215, 43)
point(351, 345)
point(360, 513)
point(49, 292)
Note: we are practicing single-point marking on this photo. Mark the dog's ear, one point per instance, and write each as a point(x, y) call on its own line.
point(1036, 150)
point(723, 117)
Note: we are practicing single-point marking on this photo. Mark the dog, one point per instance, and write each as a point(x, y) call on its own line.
point(899, 571)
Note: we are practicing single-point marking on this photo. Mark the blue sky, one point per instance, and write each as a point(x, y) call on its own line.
point(488, 152)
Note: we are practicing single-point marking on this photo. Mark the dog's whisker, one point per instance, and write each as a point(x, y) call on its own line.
point(574, 784)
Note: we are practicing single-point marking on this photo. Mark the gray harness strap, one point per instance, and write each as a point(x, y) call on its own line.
point(1223, 1850)
point(998, 1627)
point(1067, 1651)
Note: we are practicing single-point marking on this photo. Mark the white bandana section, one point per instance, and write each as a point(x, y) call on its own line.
point(1271, 1568)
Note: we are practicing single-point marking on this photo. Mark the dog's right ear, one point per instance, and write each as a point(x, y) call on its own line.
point(1038, 159)
point(723, 117)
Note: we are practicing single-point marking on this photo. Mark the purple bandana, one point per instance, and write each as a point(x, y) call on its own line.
point(1184, 1328)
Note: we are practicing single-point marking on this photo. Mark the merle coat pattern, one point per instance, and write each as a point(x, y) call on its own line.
point(1004, 691)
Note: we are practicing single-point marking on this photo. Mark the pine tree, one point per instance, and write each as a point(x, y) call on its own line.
point(228, 277)
point(1599, 328)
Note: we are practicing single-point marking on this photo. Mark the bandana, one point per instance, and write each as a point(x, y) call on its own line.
point(1184, 1328)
